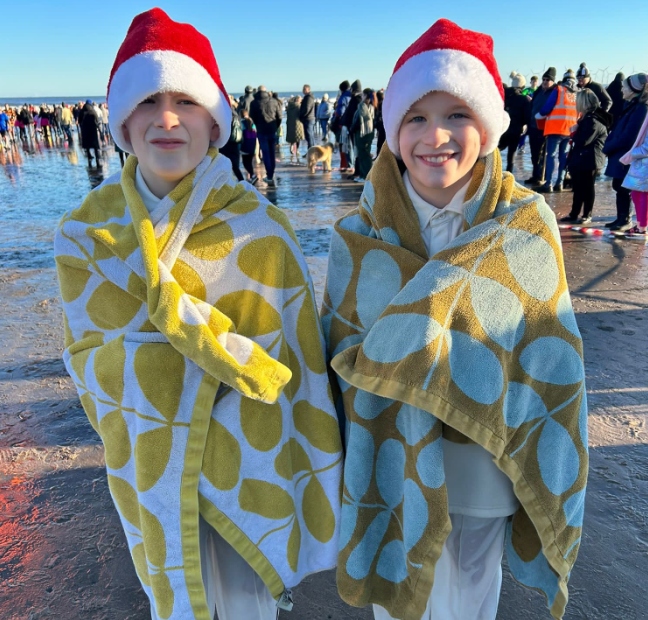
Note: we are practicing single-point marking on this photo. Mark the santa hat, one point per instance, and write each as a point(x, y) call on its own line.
point(453, 60)
point(160, 55)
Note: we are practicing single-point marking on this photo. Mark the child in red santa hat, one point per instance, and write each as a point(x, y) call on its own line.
point(192, 337)
point(450, 328)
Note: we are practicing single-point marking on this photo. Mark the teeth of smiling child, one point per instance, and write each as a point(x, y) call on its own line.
point(438, 159)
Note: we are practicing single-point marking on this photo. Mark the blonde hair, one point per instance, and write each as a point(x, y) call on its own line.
point(586, 101)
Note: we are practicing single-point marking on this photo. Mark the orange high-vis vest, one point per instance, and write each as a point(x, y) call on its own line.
point(564, 116)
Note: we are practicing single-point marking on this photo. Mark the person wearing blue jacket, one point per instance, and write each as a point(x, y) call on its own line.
point(535, 133)
point(620, 141)
point(4, 128)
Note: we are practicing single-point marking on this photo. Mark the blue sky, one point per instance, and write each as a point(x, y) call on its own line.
point(67, 48)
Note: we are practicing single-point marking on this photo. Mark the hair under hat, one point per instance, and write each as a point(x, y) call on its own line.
point(637, 82)
point(453, 60)
point(161, 55)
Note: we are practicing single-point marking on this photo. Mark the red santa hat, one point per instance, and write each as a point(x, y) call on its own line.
point(453, 60)
point(160, 55)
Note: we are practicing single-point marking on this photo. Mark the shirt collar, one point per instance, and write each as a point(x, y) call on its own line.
point(149, 199)
point(426, 211)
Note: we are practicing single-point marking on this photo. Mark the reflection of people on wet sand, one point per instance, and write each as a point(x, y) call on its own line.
point(90, 132)
point(10, 159)
point(72, 156)
point(95, 176)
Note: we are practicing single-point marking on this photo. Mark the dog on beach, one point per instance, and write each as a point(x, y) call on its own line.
point(320, 153)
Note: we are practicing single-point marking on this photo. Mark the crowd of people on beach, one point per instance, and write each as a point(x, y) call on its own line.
point(567, 122)
point(55, 124)
point(578, 129)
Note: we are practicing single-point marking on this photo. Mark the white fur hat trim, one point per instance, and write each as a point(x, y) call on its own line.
point(452, 71)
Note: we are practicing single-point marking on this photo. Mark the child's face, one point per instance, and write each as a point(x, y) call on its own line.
point(440, 139)
point(170, 135)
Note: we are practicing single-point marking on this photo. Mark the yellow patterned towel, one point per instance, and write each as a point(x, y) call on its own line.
point(481, 339)
point(193, 340)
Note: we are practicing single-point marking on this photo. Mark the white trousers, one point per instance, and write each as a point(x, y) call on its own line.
point(232, 587)
point(468, 575)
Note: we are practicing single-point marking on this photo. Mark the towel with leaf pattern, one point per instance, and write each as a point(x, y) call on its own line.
point(480, 341)
point(193, 340)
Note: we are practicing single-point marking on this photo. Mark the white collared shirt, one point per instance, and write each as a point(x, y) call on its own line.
point(149, 199)
point(438, 226)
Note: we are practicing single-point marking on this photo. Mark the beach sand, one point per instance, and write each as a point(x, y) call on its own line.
point(62, 549)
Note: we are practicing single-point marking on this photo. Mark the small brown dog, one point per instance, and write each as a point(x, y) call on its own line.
point(320, 153)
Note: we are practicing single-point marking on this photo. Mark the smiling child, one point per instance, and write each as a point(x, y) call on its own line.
point(449, 325)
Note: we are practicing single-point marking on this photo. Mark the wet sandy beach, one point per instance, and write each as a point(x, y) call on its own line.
point(62, 550)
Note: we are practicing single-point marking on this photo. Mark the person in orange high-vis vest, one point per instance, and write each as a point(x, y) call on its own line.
point(560, 116)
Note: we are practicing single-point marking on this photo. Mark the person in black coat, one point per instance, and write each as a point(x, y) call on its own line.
point(246, 100)
point(232, 148)
point(585, 81)
point(26, 118)
point(619, 142)
point(378, 121)
point(307, 115)
point(347, 121)
point(518, 107)
point(89, 124)
point(618, 102)
point(586, 159)
point(266, 113)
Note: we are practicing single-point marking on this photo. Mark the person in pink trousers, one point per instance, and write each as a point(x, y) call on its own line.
point(637, 178)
